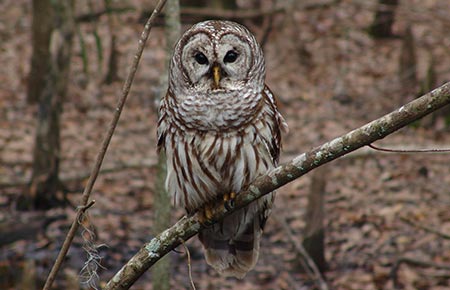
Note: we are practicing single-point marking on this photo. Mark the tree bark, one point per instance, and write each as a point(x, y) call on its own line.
point(314, 233)
point(41, 30)
point(384, 18)
point(408, 66)
point(222, 4)
point(112, 68)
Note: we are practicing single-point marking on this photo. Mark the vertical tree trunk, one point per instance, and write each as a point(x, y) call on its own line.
point(314, 236)
point(161, 270)
point(28, 280)
point(384, 18)
point(44, 184)
point(408, 67)
point(46, 153)
point(426, 85)
point(220, 4)
point(41, 30)
point(223, 4)
point(111, 74)
point(162, 201)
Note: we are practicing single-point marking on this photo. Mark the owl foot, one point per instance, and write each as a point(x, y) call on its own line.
point(206, 214)
point(228, 200)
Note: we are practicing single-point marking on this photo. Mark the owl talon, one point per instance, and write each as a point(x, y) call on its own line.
point(228, 199)
point(206, 214)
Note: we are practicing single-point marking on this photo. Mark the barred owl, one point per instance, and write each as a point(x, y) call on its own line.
point(220, 129)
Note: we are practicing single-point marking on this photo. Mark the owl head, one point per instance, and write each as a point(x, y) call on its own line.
point(214, 57)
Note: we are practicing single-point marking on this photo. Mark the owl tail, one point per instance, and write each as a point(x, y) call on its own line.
point(231, 255)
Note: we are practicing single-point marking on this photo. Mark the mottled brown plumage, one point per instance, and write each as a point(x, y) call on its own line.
point(220, 128)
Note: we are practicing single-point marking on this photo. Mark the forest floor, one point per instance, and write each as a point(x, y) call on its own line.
point(387, 215)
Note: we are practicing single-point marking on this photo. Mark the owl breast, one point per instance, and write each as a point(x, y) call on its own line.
point(217, 111)
point(205, 162)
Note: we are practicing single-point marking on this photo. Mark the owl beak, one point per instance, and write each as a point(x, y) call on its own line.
point(216, 75)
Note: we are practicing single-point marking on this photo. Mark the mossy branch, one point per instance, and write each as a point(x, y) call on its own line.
point(187, 227)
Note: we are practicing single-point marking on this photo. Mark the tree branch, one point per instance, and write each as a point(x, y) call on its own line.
point(255, 13)
point(413, 262)
point(187, 227)
point(425, 228)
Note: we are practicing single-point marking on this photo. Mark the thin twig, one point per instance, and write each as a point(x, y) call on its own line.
point(104, 146)
point(189, 264)
point(425, 228)
point(307, 262)
point(187, 227)
point(422, 264)
point(268, 28)
point(433, 150)
point(84, 208)
point(413, 262)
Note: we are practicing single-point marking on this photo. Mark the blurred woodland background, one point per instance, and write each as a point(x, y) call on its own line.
point(370, 220)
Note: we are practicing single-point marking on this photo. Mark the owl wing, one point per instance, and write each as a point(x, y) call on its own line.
point(274, 147)
point(162, 124)
point(166, 113)
point(279, 125)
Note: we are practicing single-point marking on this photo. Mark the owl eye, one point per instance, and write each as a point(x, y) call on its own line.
point(201, 58)
point(231, 56)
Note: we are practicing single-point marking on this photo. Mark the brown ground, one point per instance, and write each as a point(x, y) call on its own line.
point(330, 77)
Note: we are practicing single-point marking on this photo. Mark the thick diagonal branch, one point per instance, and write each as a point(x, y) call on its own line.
point(187, 227)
